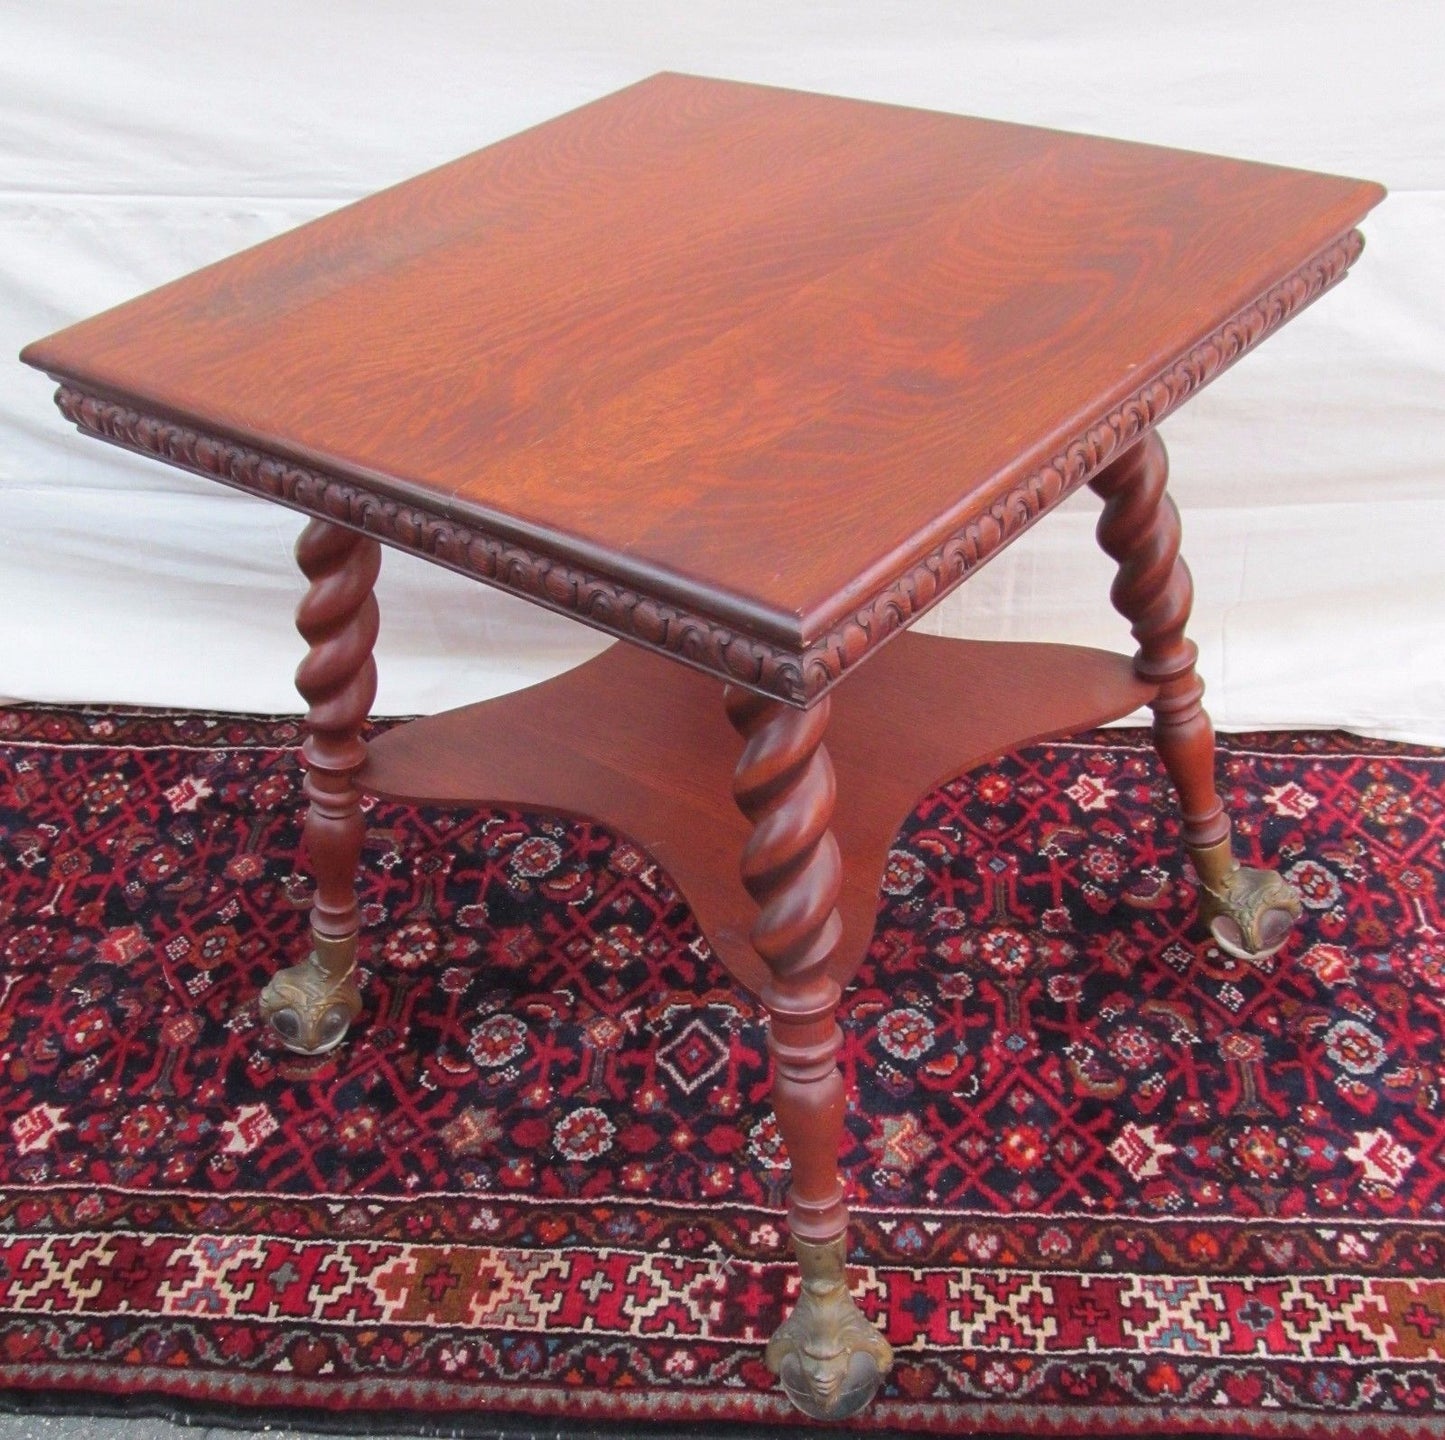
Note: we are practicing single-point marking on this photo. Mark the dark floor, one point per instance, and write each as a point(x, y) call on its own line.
point(89, 1427)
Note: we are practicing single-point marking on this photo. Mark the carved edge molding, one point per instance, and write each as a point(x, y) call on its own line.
point(596, 599)
point(798, 677)
point(939, 572)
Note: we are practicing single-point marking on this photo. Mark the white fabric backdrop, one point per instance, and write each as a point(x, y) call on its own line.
point(139, 141)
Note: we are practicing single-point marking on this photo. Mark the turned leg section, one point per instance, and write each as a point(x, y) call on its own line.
point(828, 1357)
point(311, 1005)
point(1249, 912)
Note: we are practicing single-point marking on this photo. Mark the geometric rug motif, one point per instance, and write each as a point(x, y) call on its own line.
point(1104, 1178)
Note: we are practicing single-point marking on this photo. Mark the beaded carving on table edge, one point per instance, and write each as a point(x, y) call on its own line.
point(797, 677)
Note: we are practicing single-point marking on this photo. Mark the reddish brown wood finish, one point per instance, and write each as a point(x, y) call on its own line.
point(829, 1359)
point(1140, 529)
point(750, 378)
point(310, 1005)
point(1249, 911)
point(644, 746)
point(792, 868)
point(339, 620)
point(747, 375)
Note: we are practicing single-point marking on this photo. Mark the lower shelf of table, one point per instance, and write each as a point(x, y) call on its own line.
point(643, 746)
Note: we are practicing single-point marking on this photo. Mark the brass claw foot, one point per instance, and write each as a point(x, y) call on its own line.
point(310, 1006)
point(1249, 912)
point(829, 1358)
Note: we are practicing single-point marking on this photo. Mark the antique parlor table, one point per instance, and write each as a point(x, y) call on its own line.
point(748, 379)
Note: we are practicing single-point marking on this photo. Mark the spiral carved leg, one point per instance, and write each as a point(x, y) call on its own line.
point(310, 1006)
point(828, 1357)
point(1249, 912)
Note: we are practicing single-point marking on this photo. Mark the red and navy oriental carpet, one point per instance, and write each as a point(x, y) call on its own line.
point(1105, 1179)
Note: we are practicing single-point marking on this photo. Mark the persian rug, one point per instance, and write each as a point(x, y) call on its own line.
point(1105, 1179)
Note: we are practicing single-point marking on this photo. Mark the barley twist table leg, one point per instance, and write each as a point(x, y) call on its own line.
point(1249, 912)
point(829, 1358)
point(311, 1005)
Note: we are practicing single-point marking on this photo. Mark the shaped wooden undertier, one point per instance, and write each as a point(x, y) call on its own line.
point(644, 746)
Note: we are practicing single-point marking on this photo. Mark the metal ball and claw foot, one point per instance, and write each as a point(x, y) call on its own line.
point(310, 1006)
point(830, 1360)
point(1249, 912)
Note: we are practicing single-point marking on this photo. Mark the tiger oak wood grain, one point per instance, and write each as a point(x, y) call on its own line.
point(749, 378)
point(740, 348)
point(645, 747)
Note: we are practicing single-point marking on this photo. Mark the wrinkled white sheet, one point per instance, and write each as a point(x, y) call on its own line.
point(139, 141)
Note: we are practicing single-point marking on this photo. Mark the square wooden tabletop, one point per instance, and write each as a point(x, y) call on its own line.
point(748, 375)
